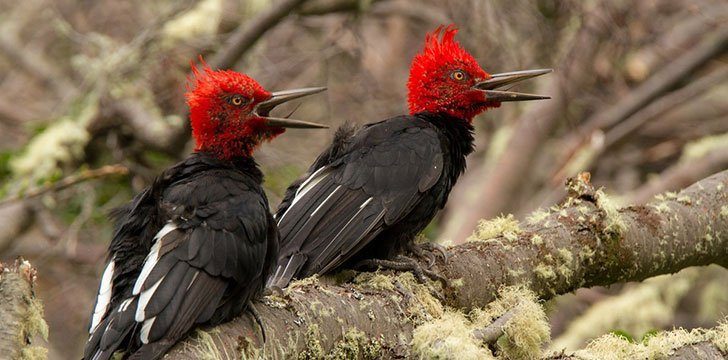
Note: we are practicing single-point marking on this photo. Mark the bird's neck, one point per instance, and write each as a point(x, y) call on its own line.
point(243, 162)
point(457, 134)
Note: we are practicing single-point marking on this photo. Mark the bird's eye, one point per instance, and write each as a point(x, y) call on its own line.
point(237, 100)
point(458, 75)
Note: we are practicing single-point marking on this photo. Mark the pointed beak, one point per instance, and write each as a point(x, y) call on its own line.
point(490, 86)
point(264, 108)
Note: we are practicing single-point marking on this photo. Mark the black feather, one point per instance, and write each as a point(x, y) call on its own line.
point(407, 165)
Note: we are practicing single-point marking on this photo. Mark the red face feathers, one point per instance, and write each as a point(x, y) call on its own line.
point(442, 77)
point(222, 112)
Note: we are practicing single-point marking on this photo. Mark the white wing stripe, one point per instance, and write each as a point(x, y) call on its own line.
point(325, 200)
point(305, 187)
point(104, 296)
point(152, 257)
point(144, 334)
point(361, 208)
point(144, 298)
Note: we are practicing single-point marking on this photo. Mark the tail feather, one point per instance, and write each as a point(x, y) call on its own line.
point(285, 272)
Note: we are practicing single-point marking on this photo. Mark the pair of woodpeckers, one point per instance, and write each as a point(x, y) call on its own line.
point(200, 243)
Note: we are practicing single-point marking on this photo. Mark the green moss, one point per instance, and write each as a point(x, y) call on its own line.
point(636, 310)
point(661, 345)
point(614, 224)
point(313, 350)
point(719, 336)
point(375, 280)
point(701, 147)
point(302, 283)
point(422, 306)
point(566, 255)
point(33, 353)
point(448, 337)
point(536, 239)
point(204, 347)
point(537, 216)
point(545, 272)
point(355, 345)
point(506, 226)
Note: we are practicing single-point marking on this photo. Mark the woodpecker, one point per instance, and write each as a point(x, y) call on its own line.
point(374, 189)
point(198, 244)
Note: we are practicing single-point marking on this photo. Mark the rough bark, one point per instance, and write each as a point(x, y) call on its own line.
point(585, 242)
point(21, 315)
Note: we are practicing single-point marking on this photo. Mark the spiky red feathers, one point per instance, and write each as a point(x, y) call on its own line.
point(442, 76)
point(222, 104)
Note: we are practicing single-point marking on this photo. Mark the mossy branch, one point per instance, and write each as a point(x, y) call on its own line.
point(587, 241)
point(21, 314)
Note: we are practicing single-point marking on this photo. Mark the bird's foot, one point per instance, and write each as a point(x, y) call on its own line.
point(404, 263)
point(256, 315)
point(428, 250)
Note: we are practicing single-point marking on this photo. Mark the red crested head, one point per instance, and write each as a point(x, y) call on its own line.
point(443, 76)
point(222, 112)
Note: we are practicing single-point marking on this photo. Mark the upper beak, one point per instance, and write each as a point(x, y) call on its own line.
point(498, 80)
point(279, 97)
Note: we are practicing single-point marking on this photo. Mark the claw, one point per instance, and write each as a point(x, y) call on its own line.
point(254, 312)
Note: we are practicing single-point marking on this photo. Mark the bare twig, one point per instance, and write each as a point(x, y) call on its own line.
point(83, 175)
point(663, 81)
point(664, 104)
point(492, 332)
point(247, 35)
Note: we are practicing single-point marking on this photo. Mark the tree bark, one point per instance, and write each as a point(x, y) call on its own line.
point(585, 242)
point(21, 315)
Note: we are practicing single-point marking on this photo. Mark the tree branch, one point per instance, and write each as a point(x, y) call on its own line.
point(21, 315)
point(585, 242)
point(246, 36)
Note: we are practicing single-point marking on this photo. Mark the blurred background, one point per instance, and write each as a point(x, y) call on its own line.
point(92, 108)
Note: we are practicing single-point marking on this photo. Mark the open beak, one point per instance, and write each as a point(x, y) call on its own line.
point(279, 97)
point(490, 86)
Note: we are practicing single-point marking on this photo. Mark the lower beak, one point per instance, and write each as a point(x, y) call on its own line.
point(279, 97)
point(490, 86)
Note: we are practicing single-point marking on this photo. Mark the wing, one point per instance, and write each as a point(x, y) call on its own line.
point(214, 241)
point(336, 149)
point(344, 204)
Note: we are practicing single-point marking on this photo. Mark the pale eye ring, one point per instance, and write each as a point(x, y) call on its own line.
point(237, 100)
point(458, 75)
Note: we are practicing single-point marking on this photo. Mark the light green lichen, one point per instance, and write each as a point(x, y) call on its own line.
point(545, 272)
point(61, 144)
point(661, 345)
point(375, 280)
point(422, 306)
point(448, 337)
point(614, 224)
point(506, 226)
point(204, 346)
point(313, 350)
point(724, 211)
point(536, 239)
point(537, 216)
point(452, 335)
point(701, 147)
point(637, 310)
point(355, 345)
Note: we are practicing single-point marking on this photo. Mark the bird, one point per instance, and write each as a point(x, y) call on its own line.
point(373, 189)
point(196, 245)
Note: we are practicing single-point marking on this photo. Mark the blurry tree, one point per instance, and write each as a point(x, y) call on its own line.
point(91, 108)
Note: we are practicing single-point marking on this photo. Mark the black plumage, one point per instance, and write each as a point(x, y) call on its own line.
point(193, 248)
point(370, 193)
